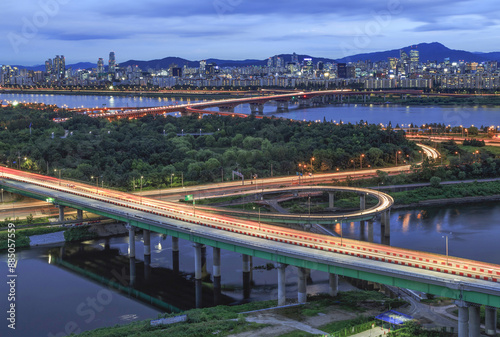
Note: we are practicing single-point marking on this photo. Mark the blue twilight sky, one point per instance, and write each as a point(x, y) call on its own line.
point(32, 31)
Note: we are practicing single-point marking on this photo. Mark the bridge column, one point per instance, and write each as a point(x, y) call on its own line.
point(385, 219)
point(131, 241)
point(333, 282)
point(281, 284)
point(175, 254)
point(216, 275)
point(226, 108)
point(362, 206)
point(257, 108)
point(302, 286)
point(146, 236)
point(246, 276)
point(61, 212)
point(331, 199)
point(474, 320)
point(370, 231)
point(197, 273)
point(463, 319)
point(79, 214)
point(490, 320)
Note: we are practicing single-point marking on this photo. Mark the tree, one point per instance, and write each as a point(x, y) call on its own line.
point(435, 182)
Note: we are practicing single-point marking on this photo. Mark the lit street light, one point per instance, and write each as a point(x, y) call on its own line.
point(312, 159)
point(446, 237)
point(55, 170)
point(353, 164)
point(456, 152)
point(361, 161)
point(171, 178)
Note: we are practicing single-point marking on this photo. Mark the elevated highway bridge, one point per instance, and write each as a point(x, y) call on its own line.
point(471, 283)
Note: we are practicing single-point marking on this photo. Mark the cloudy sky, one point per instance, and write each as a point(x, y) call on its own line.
point(32, 31)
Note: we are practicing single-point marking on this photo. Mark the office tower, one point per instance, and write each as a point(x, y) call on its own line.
point(393, 63)
point(270, 62)
point(48, 66)
point(295, 58)
point(100, 66)
point(203, 65)
point(112, 63)
point(320, 66)
point(342, 70)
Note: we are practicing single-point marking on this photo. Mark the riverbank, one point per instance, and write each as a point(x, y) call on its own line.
point(131, 93)
point(449, 201)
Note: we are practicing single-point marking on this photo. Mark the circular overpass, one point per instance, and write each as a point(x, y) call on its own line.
point(384, 204)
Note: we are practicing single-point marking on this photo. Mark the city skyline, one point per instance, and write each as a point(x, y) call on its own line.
point(236, 29)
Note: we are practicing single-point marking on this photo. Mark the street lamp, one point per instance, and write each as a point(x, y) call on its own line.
point(55, 170)
point(259, 217)
point(171, 178)
point(312, 159)
point(361, 161)
point(446, 237)
point(141, 189)
point(397, 153)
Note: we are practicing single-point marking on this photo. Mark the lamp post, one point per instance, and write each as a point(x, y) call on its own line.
point(312, 169)
point(397, 153)
point(458, 153)
point(171, 178)
point(446, 237)
point(361, 161)
point(259, 217)
point(309, 197)
point(353, 164)
point(141, 189)
point(55, 170)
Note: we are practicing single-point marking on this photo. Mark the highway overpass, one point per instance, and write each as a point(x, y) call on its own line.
point(471, 283)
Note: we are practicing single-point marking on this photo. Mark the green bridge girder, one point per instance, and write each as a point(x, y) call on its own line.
point(457, 294)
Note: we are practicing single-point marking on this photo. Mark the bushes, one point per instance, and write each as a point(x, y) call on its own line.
point(79, 234)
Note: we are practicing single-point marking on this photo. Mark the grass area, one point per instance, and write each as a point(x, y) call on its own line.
point(446, 192)
point(492, 149)
point(253, 207)
point(19, 222)
point(297, 333)
point(217, 200)
point(361, 323)
point(219, 321)
point(22, 235)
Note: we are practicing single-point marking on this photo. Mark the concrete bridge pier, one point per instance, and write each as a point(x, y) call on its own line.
point(61, 212)
point(333, 282)
point(146, 236)
point(463, 319)
point(370, 231)
point(331, 199)
point(216, 274)
point(175, 254)
point(131, 241)
point(282, 105)
point(281, 284)
point(79, 214)
point(246, 276)
point(304, 102)
point(226, 108)
point(302, 286)
point(385, 222)
point(474, 320)
point(198, 273)
point(362, 206)
point(490, 320)
point(257, 108)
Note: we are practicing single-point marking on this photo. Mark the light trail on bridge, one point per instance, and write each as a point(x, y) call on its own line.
point(192, 218)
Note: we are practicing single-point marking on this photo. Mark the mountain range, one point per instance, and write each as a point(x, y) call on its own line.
point(428, 52)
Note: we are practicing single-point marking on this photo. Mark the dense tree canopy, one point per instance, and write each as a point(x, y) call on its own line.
point(122, 151)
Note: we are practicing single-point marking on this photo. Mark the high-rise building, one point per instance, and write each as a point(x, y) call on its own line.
point(48, 66)
point(342, 70)
point(414, 56)
point(270, 62)
point(100, 66)
point(112, 63)
point(320, 66)
point(279, 62)
point(295, 58)
point(203, 65)
point(59, 66)
point(393, 63)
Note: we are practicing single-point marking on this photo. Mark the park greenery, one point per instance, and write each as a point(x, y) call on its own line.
point(167, 151)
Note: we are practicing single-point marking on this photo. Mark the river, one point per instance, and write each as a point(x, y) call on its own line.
point(52, 294)
point(448, 115)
